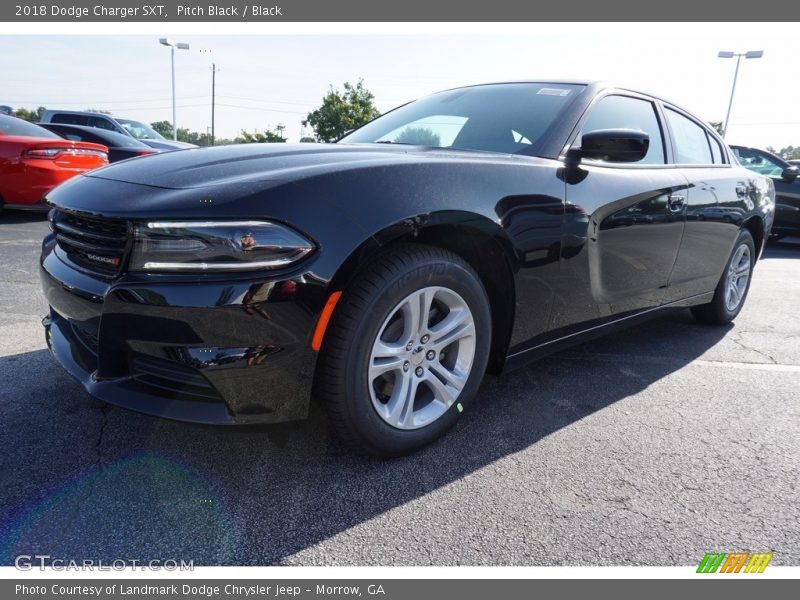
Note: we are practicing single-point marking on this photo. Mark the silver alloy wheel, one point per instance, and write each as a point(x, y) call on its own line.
point(421, 358)
point(738, 276)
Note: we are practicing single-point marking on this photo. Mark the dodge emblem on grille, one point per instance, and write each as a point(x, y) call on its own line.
point(103, 259)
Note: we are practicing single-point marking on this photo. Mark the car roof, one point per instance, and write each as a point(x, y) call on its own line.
point(79, 112)
point(129, 141)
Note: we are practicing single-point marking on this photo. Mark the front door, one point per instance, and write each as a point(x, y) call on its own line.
point(623, 224)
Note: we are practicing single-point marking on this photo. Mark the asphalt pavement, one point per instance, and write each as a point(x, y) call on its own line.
point(647, 447)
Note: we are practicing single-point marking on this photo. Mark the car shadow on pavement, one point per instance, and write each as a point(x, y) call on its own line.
point(14, 217)
point(86, 480)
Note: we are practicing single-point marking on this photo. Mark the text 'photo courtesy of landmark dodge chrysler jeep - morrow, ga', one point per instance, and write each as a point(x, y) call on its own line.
point(469, 231)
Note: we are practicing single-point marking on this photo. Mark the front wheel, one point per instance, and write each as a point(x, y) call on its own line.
point(732, 289)
point(405, 351)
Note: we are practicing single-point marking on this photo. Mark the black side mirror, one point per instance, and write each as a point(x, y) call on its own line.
point(790, 174)
point(612, 145)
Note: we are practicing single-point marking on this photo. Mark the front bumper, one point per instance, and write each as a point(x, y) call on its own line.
point(206, 351)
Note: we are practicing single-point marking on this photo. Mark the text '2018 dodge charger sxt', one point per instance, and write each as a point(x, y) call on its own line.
point(469, 231)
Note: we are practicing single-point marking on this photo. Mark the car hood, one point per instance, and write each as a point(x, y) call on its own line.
point(276, 163)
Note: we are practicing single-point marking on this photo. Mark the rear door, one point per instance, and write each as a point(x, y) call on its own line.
point(69, 119)
point(716, 203)
point(622, 228)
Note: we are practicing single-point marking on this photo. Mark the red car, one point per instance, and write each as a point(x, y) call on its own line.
point(33, 161)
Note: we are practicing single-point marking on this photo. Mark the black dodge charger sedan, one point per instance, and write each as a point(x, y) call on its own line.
point(470, 231)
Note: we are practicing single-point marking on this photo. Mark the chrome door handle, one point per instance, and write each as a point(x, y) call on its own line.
point(676, 202)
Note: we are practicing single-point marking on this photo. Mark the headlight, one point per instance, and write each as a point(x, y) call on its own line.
point(215, 246)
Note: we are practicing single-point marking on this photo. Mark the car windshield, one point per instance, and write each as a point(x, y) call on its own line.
point(139, 130)
point(14, 126)
point(508, 118)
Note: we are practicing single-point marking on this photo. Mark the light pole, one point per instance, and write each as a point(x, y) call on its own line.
point(738, 55)
point(213, 87)
point(180, 46)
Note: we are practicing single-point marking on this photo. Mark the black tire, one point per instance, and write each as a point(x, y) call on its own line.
point(717, 311)
point(342, 381)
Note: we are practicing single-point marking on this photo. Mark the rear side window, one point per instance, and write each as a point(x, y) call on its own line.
point(69, 119)
point(691, 142)
point(82, 136)
point(101, 123)
point(716, 150)
point(14, 126)
point(624, 112)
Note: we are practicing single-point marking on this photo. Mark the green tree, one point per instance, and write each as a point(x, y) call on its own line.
point(717, 125)
point(342, 111)
point(259, 137)
point(184, 134)
point(419, 136)
point(32, 115)
point(787, 153)
point(306, 139)
point(164, 128)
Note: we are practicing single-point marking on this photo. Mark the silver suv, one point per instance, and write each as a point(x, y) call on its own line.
point(135, 129)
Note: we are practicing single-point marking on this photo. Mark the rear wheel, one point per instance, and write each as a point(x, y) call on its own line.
point(406, 350)
point(732, 289)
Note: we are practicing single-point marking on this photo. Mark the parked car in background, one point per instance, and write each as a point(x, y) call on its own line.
point(794, 162)
point(130, 127)
point(784, 175)
point(475, 229)
point(33, 161)
point(120, 147)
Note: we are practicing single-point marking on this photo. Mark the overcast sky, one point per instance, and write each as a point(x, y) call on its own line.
point(270, 79)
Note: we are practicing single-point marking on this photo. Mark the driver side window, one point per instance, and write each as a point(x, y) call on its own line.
point(625, 112)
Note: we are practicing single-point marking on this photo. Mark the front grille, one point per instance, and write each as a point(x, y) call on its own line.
point(93, 243)
point(168, 376)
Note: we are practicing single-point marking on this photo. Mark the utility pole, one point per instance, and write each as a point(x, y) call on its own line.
point(214, 69)
point(213, 97)
point(738, 55)
point(172, 44)
point(280, 128)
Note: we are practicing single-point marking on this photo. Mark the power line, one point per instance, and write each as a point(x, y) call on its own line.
point(99, 103)
point(269, 101)
point(278, 110)
point(90, 102)
point(760, 124)
point(289, 112)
